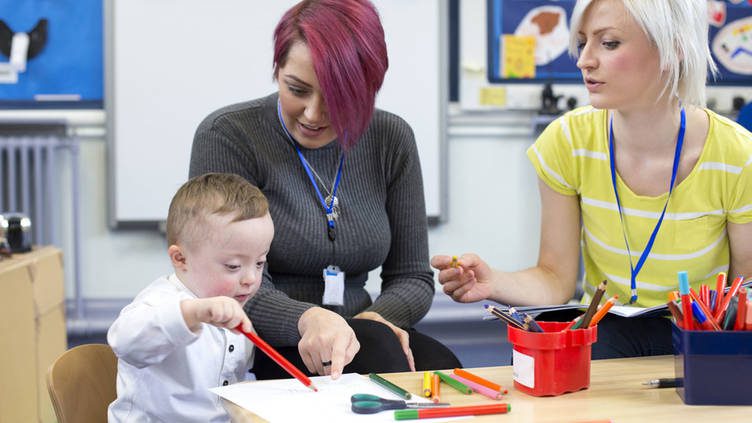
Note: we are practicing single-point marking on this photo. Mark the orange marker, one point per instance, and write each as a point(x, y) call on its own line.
point(727, 298)
point(454, 262)
point(435, 388)
point(603, 310)
point(480, 381)
point(741, 310)
point(720, 283)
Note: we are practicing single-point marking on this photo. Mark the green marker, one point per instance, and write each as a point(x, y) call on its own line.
point(454, 383)
point(390, 386)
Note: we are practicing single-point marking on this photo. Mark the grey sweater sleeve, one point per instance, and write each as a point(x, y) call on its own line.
point(274, 314)
point(407, 281)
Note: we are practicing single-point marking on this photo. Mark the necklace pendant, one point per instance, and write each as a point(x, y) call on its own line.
point(335, 207)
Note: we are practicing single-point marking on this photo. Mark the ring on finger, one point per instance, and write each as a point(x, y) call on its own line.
point(326, 363)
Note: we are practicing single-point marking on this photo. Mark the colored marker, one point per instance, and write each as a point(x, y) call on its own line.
point(703, 310)
point(435, 388)
point(727, 298)
point(477, 387)
point(685, 301)
point(454, 383)
point(479, 380)
point(467, 410)
point(703, 320)
point(454, 262)
point(741, 310)
point(389, 386)
point(720, 284)
point(427, 384)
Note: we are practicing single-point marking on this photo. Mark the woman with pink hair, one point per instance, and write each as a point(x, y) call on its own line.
point(345, 191)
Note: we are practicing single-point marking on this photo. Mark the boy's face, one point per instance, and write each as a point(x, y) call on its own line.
point(229, 261)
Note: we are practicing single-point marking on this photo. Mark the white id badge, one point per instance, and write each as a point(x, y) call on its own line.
point(334, 286)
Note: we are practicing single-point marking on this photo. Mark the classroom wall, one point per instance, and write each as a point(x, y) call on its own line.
point(493, 206)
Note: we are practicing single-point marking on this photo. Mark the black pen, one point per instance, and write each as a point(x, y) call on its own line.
point(663, 383)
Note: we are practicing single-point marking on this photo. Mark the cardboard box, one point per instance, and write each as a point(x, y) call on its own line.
point(32, 325)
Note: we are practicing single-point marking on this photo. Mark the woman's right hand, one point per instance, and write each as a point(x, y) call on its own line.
point(326, 337)
point(468, 281)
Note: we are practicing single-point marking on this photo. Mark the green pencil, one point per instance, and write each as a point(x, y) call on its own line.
point(390, 386)
point(454, 383)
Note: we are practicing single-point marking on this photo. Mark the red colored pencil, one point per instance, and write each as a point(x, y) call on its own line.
point(278, 358)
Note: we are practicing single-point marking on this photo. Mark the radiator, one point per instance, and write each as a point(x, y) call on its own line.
point(34, 157)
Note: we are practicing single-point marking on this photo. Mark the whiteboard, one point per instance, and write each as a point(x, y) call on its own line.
point(169, 63)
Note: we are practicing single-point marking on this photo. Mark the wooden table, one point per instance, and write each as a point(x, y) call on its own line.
point(616, 394)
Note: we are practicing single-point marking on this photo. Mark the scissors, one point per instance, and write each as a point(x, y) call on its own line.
point(370, 404)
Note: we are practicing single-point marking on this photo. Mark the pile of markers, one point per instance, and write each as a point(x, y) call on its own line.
point(594, 313)
point(725, 308)
point(462, 381)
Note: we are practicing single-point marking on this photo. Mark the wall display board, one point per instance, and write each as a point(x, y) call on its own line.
point(528, 41)
point(172, 62)
point(51, 53)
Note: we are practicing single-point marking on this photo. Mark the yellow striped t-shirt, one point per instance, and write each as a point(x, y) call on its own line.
point(571, 157)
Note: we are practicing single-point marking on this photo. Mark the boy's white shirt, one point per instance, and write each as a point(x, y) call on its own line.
point(165, 370)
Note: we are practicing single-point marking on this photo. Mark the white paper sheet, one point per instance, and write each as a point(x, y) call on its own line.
point(287, 400)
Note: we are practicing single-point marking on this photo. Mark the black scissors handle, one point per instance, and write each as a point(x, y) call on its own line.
point(371, 404)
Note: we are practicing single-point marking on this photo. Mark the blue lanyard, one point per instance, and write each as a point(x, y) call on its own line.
point(329, 209)
point(649, 246)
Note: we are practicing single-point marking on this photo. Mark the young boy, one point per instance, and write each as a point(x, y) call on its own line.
point(174, 341)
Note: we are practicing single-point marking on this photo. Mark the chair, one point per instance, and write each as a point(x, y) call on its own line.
point(81, 383)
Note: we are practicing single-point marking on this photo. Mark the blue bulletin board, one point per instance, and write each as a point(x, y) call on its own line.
point(67, 71)
point(510, 21)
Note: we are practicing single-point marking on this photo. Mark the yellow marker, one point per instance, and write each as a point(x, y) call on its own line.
point(454, 262)
point(427, 384)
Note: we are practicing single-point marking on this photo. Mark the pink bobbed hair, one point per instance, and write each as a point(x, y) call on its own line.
point(347, 46)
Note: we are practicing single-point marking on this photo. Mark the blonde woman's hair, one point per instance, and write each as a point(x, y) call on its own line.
point(679, 30)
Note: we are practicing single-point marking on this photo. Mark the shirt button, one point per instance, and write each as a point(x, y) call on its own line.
point(225, 383)
point(232, 348)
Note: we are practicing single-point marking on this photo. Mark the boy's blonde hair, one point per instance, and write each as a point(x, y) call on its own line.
point(207, 194)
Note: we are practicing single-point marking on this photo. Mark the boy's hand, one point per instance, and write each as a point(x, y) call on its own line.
point(223, 312)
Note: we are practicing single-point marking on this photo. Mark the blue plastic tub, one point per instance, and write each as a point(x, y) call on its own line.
point(715, 367)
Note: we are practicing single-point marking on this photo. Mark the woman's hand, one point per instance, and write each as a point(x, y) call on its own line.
point(327, 342)
point(466, 282)
point(402, 335)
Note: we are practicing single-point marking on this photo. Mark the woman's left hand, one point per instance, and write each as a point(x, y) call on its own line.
point(402, 335)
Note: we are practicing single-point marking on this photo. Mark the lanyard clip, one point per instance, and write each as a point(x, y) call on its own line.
point(633, 299)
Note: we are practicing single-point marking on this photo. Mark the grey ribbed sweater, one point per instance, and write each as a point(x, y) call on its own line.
point(382, 219)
